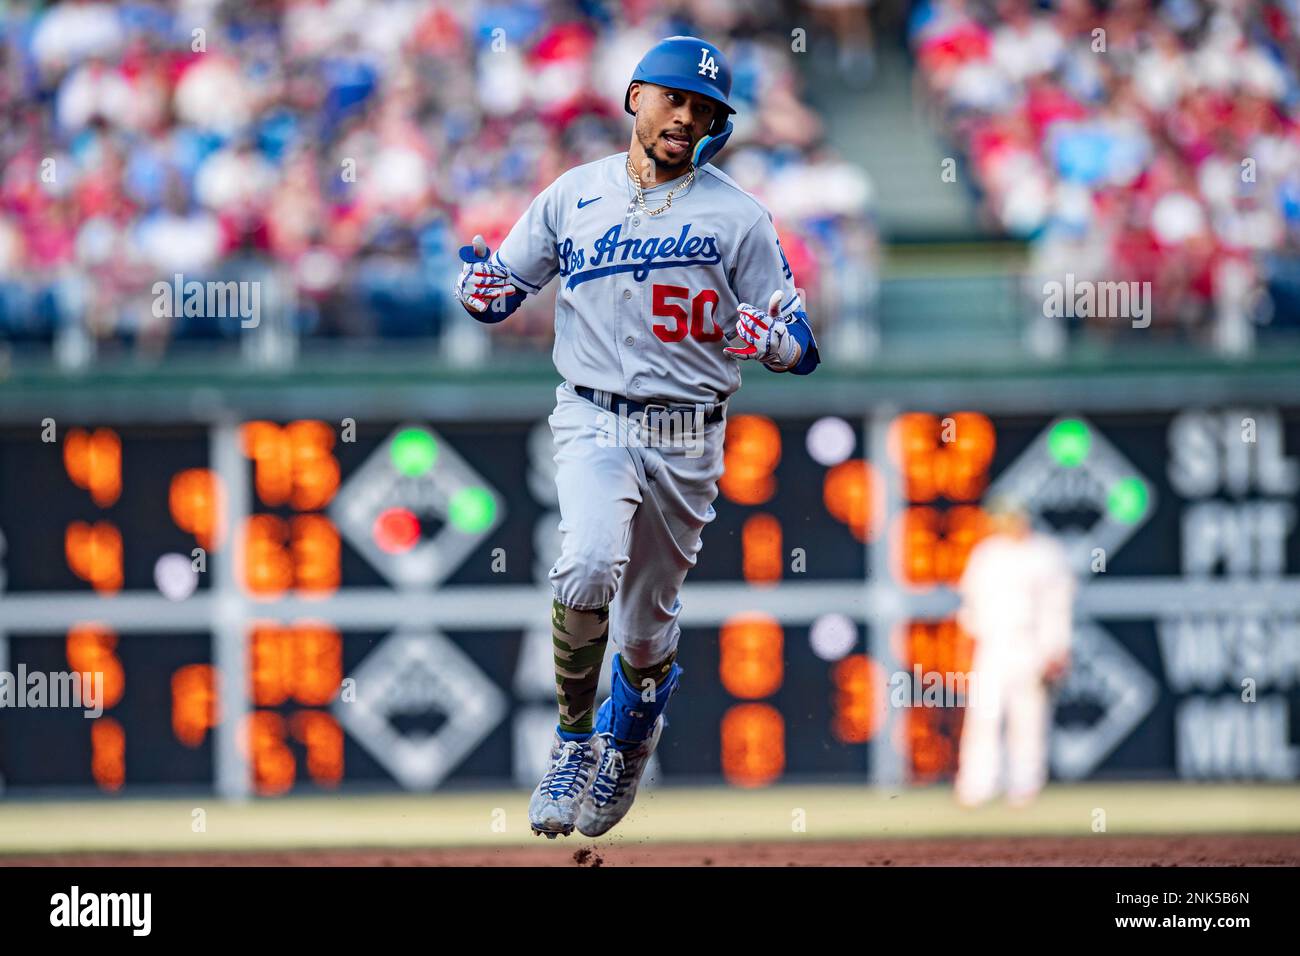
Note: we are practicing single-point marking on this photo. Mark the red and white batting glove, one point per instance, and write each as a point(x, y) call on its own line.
point(481, 281)
point(765, 336)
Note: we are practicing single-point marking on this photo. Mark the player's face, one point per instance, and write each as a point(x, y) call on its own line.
point(670, 122)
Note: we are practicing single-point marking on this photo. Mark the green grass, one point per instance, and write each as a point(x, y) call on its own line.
point(667, 815)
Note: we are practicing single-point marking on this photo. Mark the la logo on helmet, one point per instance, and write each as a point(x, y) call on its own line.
point(707, 65)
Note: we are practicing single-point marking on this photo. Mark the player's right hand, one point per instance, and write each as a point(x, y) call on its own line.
point(481, 281)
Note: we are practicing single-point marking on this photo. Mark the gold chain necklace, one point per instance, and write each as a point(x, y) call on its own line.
point(668, 199)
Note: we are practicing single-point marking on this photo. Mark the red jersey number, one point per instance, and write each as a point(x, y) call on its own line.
point(681, 323)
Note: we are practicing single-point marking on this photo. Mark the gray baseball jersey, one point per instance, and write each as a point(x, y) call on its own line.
point(644, 301)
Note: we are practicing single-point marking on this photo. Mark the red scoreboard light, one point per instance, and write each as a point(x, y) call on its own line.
point(397, 530)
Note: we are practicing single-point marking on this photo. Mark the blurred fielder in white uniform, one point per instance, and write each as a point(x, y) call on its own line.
point(1017, 595)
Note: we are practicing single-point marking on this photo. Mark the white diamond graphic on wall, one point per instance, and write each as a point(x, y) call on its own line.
point(1108, 681)
point(415, 676)
point(415, 509)
point(1071, 467)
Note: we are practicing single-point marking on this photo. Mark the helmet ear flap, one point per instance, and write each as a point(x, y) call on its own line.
point(710, 145)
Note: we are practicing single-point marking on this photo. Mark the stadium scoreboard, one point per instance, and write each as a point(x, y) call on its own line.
point(273, 606)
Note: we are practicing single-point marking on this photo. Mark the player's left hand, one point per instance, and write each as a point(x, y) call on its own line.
point(765, 335)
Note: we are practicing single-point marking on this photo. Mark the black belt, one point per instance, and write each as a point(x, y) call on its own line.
point(622, 405)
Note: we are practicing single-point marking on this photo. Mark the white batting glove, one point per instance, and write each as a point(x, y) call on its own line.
point(765, 336)
point(481, 281)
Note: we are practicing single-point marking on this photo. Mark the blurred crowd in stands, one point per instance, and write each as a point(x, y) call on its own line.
point(340, 151)
point(1133, 141)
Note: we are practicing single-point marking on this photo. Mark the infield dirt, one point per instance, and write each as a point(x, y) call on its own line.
point(1099, 850)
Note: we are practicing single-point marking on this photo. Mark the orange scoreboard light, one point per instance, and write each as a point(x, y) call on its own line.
point(944, 465)
point(943, 461)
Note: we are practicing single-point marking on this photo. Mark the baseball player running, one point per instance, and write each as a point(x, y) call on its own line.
point(655, 250)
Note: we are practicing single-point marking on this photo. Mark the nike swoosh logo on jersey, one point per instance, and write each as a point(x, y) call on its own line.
point(582, 205)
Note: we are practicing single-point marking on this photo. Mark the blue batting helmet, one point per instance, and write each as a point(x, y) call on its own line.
point(689, 63)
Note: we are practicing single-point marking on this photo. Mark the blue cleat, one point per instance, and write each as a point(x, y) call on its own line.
point(627, 731)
